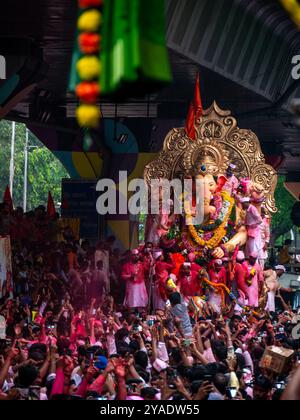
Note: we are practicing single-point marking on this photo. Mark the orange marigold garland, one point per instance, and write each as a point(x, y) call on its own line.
point(89, 65)
point(219, 288)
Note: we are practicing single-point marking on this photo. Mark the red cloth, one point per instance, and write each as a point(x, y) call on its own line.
point(98, 384)
point(241, 278)
point(162, 270)
point(82, 389)
point(7, 199)
point(190, 123)
point(196, 268)
point(50, 206)
point(58, 386)
point(178, 260)
point(198, 100)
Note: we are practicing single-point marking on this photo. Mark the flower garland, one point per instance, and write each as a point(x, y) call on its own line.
point(219, 288)
point(221, 204)
point(189, 245)
point(220, 232)
point(89, 65)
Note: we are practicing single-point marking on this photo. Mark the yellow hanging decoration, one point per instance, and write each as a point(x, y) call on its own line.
point(90, 21)
point(293, 8)
point(88, 116)
point(89, 68)
point(89, 64)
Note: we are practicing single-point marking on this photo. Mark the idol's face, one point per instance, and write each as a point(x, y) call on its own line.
point(210, 183)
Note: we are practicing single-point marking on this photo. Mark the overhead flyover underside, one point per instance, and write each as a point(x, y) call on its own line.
point(243, 50)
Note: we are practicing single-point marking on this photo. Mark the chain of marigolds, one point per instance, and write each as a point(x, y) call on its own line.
point(89, 65)
point(219, 233)
point(293, 8)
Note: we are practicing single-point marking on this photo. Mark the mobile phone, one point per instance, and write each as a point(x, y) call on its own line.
point(232, 392)
point(187, 343)
point(151, 323)
point(137, 328)
point(171, 376)
point(280, 386)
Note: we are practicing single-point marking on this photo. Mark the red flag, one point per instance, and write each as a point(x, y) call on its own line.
point(7, 199)
point(50, 206)
point(190, 123)
point(198, 100)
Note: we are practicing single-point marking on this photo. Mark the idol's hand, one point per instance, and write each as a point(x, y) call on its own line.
point(218, 253)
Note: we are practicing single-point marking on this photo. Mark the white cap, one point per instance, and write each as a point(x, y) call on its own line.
point(157, 254)
point(240, 256)
point(187, 265)
point(245, 200)
point(280, 268)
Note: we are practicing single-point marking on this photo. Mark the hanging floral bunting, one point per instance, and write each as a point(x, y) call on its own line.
point(88, 66)
point(293, 8)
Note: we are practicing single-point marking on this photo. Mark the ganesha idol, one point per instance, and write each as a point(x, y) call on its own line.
point(237, 184)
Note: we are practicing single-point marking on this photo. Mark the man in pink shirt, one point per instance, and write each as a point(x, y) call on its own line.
point(189, 282)
point(134, 274)
point(255, 279)
point(218, 275)
point(253, 224)
point(240, 276)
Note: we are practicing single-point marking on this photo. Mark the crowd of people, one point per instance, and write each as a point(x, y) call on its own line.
point(90, 322)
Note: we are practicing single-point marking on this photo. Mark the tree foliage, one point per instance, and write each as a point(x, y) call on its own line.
point(44, 170)
point(282, 222)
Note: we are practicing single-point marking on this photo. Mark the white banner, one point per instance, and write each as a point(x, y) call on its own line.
point(6, 284)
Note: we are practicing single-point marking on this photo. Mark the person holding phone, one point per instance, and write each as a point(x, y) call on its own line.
point(180, 314)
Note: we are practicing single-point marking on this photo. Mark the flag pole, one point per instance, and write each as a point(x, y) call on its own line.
point(12, 157)
point(25, 172)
